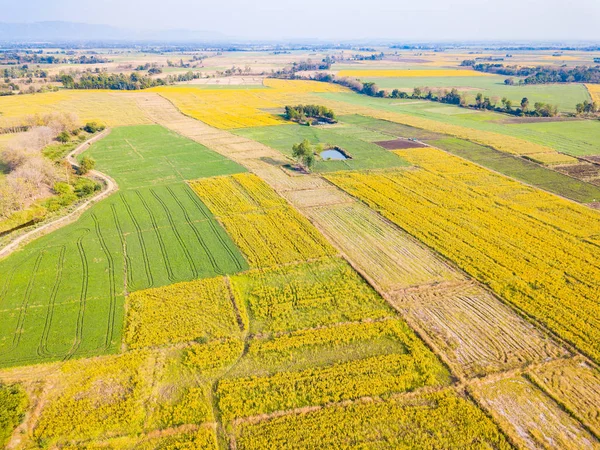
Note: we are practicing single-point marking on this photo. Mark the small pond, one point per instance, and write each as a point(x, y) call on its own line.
point(332, 154)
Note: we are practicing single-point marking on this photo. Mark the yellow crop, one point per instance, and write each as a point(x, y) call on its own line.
point(267, 230)
point(369, 73)
point(306, 295)
point(179, 313)
point(407, 365)
point(594, 90)
point(553, 158)
point(228, 109)
point(532, 248)
point(113, 108)
point(427, 421)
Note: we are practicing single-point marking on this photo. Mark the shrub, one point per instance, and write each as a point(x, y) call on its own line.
point(93, 127)
point(87, 163)
point(63, 137)
point(13, 402)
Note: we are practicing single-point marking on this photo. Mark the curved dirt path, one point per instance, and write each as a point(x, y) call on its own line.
point(110, 187)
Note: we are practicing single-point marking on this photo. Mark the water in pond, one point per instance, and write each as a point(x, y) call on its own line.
point(332, 154)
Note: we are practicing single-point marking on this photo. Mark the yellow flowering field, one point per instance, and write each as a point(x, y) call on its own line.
point(180, 312)
point(552, 159)
point(428, 420)
point(267, 230)
point(324, 365)
point(113, 108)
point(227, 109)
point(400, 73)
point(530, 247)
point(306, 295)
point(594, 90)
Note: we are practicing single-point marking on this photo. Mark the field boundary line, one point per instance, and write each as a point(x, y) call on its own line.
point(110, 186)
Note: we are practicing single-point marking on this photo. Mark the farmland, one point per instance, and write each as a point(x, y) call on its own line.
point(72, 301)
point(522, 169)
point(435, 290)
point(472, 83)
point(525, 228)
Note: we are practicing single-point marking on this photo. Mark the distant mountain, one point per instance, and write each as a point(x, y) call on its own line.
point(58, 31)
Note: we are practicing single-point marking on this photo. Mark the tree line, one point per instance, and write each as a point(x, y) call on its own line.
point(544, 74)
point(121, 81)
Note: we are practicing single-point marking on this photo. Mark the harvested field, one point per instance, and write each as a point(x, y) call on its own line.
point(308, 198)
point(574, 383)
point(475, 331)
point(583, 171)
point(592, 158)
point(530, 417)
point(533, 249)
point(410, 73)
point(386, 254)
point(399, 144)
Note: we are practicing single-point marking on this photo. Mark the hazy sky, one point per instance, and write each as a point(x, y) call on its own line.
point(399, 19)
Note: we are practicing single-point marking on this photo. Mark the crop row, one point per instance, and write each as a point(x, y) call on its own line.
point(265, 228)
point(438, 420)
point(530, 247)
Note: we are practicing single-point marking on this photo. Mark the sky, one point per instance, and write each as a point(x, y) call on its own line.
point(331, 19)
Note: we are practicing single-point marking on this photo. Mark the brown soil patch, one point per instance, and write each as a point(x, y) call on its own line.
point(585, 172)
point(399, 144)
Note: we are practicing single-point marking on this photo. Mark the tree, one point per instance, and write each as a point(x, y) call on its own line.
point(87, 163)
point(525, 104)
point(304, 154)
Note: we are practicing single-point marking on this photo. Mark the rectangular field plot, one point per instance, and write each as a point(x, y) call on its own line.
point(62, 295)
point(122, 402)
point(151, 155)
point(476, 332)
point(389, 256)
point(181, 312)
point(533, 249)
point(262, 224)
point(531, 418)
point(324, 365)
point(574, 384)
point(306, 295)
point(364, 153)
point(438, 420)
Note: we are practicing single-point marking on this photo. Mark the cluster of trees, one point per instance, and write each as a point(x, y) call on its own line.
point(300, 113)
point(543, 74)
point(133, 81)
point(523, 109)
point(304, 154)
point(587, 107)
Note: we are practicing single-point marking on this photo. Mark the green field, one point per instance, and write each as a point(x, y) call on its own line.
point(576, 137)
point(63, 294)
point(512, 166)
point(354, 140)
point(565, 96)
